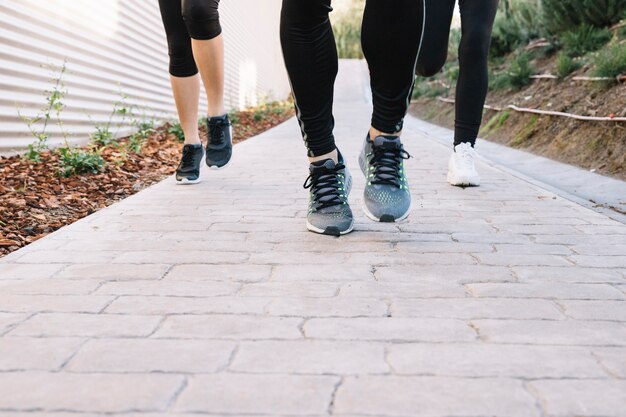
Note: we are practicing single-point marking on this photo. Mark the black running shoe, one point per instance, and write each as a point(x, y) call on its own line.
point(188, 171)
point(329, 186)
point(219, 148)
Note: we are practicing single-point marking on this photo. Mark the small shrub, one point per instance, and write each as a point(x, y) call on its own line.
point(583, 39)
point(611, 62)
point(562, 15)
point(102, 136)
point(177, 130)
point(258, 115)
point(517, 76)
point(77, 161)
point(233, 115)
point(565, 65)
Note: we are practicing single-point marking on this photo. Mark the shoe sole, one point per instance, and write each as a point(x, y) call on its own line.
point(463, 181)
point(385, 218)
point(329, 231)
point(185, 181)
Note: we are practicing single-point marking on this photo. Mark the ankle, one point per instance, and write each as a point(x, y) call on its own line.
point(374, 133)
point(334, 155)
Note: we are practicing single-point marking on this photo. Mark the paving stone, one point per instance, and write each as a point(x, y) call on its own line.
point(433, 396)
point(567, 274)
point(290, 289)
point(612, 359)
point(445, 273)
point(233, 273)
point(595, 310)
point(8, 320)
point(566, 291)
point(187, 305)
point(49, 286)
point(312, 272)
point(533, 249)
point(521, 260)
point(104, 393)
point(409, 329)
point(472, 308)
point(229, 327)
point(152, 355)
point(489, 360)
point(427, 288)
point(601, 250)
point(43, 354)
point(541, 332)
point(53, 303)
point(181, 257)
point(581, 397)
point(417, 259)
point(86, 325)
point(230, 394)
point(169, 288)
point(111, 271)
point(327, 307)
point(310, 357)
point(65, 257)
point(28, 271)
point(600, 261)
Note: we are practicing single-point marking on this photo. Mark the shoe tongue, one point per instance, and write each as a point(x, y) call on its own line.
point(388, 142)
point(320, 165)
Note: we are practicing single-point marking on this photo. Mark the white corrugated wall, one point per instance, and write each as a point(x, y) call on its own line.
point(118, 46)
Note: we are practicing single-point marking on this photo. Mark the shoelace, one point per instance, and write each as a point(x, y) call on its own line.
point(326, 187)
point(216, 135)
point(466, 157)
point(386, 163)
point(188, 157)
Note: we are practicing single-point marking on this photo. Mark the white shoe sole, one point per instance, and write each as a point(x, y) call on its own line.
point(370, 216)
point(185, 181)
point(317, 230)
point(463, 181)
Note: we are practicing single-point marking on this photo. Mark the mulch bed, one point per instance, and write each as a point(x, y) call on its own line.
point(36, 201)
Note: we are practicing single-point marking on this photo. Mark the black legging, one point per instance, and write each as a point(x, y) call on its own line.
point(477, 17)
point(391, 39)
point(185, 20)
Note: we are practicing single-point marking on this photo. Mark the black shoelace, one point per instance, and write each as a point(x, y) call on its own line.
point(216, 134)
point(386, 163)
point(326, 187)
point(188, 159)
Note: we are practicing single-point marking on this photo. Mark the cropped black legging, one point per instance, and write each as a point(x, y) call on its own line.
point(477, 17)
point(185, 20)
point(391, 39)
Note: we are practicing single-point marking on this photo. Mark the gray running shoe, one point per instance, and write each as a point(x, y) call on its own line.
point(387, 197)
point(329, 185)
point(188, 171)
point(219, 147)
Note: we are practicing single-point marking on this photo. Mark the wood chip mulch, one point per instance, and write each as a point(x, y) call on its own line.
point(36, 201)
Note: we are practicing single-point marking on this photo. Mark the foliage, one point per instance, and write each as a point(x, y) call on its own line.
point(53, 109)
point(78, 161)
point(583, 39)
point(104, 136)
point(561, 15)
point(517, 22)
point(611, 62)
point(517, 76)
point(347, 29)
point(136, 141)
point(565, 65)
point(177, 130)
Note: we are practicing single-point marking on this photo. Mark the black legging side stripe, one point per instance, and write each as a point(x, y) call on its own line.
point(185, 20)
point(391, 37)
point(477, 17)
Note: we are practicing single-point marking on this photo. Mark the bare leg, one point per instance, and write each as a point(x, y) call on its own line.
point(209, 56)
point(187, 94)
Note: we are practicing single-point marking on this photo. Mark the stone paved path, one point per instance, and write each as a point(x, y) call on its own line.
point(504, 300)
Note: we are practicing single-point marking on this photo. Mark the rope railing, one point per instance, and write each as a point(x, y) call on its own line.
point(546, 112)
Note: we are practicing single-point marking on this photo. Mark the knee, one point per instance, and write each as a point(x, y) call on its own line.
point(475, 45)
point(202, 18)
point(182, 63)
point(430, 68)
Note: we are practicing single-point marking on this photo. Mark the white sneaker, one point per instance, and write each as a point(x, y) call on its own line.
point(461, 168)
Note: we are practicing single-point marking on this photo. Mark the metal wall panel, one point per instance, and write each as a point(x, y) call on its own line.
point(118, 46)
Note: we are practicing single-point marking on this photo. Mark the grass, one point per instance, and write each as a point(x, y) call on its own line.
point(611, 62)
point(584, 39)
point(565, 65)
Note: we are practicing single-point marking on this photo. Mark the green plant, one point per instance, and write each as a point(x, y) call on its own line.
point(104, 136)
point(517, 76)
point(77, 161)
point(233, 115)
point(258, 115)
point(177, 130)
point(496, 122)
point(565, 65)
point(53, 109)
point(347, 29)
point(583, 39)
point(516, 24)
point(562, 15)
point(611, 62)
point(136, 141)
